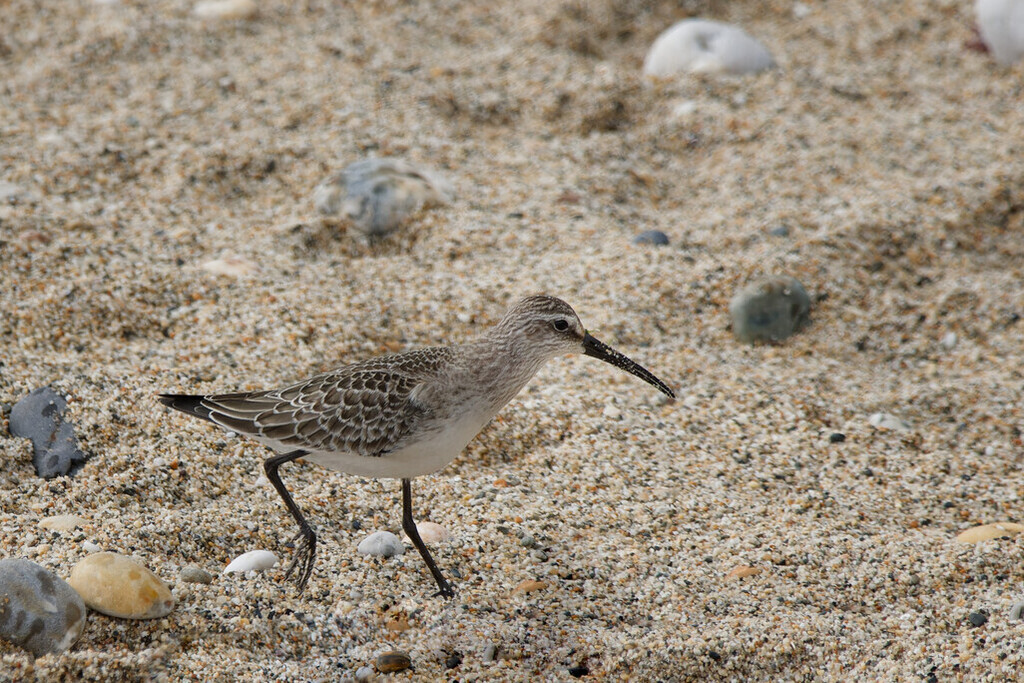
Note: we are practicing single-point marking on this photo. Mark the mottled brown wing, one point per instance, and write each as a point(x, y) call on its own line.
point(363, 408)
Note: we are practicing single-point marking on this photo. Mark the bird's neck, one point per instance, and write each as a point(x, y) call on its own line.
point(500, 366)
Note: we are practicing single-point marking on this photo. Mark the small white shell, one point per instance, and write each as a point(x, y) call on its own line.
point(254, 560)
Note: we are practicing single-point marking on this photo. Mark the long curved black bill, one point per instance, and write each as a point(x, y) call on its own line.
point(596, 349)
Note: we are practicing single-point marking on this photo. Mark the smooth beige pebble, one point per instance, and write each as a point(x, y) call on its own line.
point(120, 587)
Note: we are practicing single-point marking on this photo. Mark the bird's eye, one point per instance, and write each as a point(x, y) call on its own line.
point(560, 325)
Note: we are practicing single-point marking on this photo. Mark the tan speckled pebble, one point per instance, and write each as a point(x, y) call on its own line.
point(985, 532)
point(120, 587)
point(62, 522)
point(529, 586)
point(742, 572)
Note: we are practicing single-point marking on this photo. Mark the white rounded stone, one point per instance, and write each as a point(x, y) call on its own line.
point(704, 46)
point(254, 560)
point(382, 543)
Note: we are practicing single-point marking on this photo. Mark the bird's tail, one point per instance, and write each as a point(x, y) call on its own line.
point(187, 403)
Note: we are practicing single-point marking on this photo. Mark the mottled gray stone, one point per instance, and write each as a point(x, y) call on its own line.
point(378, 195)
point(39, 417)
point(39, 611)
point(769, 309)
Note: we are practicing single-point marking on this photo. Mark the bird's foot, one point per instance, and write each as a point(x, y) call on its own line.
point(447, 591)
point(303, 556)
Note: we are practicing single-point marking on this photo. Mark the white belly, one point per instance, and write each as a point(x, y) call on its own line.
point(422, 457)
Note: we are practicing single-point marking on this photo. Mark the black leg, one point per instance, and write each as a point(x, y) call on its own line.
point(305, 548)
point(409, 526)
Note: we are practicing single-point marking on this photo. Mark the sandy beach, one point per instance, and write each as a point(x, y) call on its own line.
point(727, 535)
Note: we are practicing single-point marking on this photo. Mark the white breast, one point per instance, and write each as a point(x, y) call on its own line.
point(425, 456)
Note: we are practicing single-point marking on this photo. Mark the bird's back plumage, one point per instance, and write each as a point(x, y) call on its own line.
point(365, 409)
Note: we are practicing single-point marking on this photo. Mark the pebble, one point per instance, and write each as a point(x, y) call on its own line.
point(364, 674)
point(194, 574)
point(655, 237)
point(432, 532)
point(527, 541)
point(379, 195)
point(978, 618)
point(382, 543)
point(836, 437)
point(579, 671)
point(225, 9)
point(1001, 26)
point(231, 265)
point(1017, 611)
point(395, 660)
point(39, 417)
point(949, 341)
point(118, 586)
point(742, 572)
point(62, 522)
point(90, 547)
point(887, 421)
point(39, 611)
point(704, 46)
point(529, 585)
point(490, 652)
point(455, 659)
point(252, 561)
point(769, 309)
point(612, 413)
point(987, 532)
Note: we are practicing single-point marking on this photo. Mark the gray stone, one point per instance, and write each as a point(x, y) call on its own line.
point(655, 237)
point(39, 611)
point(379, 195)
point(39, 417)
point(194, 574)
point(382, 543)
point(769, 309)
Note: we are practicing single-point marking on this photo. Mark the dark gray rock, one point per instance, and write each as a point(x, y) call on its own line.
point(39, 417)
point(770, 309)
point(655, 237)
point(39, 611)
